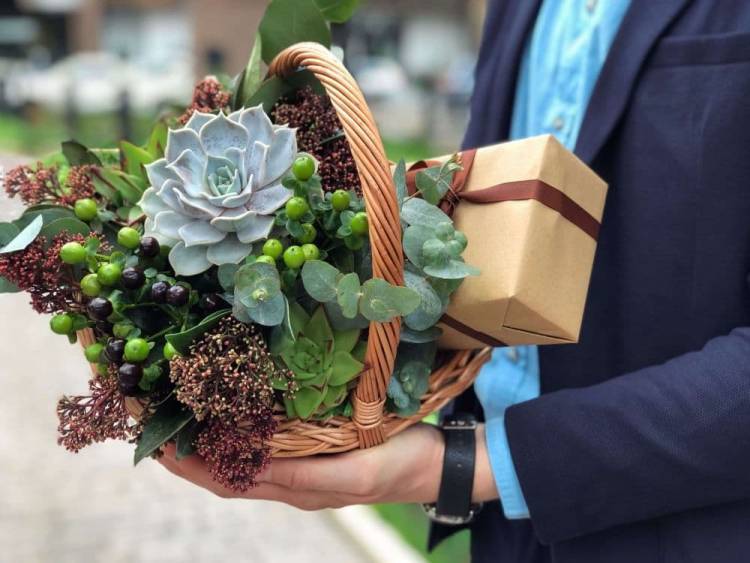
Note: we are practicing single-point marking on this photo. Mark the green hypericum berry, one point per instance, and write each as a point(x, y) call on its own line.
point(169, 351)
point(72, 253)
point(108, 274)
point(93, 352)
point(294, 257)
point(266, 259)
point(85, 209)
point(310, 251)
point(444, 231)
point(296, 208)
point(121, 330)
point(136, 350)
point(308, 233)
point(303, 167)
point(273, 248)
point(90, 285)
point(359, 224)
point(129, 238)
point(61, 324)
point(340, 200)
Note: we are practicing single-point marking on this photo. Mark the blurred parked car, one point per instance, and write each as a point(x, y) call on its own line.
point(93, 82)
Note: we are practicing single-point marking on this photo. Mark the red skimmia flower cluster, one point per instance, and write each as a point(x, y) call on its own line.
point(39, 271)
point(99, 416)
point(319, 133)
point(226, 381)
point(40, 184)
point(208, 96)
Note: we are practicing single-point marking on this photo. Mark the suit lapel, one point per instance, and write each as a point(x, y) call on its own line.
point(641, 27)
point(507, 26)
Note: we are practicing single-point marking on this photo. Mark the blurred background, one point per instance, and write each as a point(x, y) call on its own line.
point(102, 70)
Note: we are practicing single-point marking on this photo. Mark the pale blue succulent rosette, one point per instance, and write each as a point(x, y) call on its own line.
point(216, 190)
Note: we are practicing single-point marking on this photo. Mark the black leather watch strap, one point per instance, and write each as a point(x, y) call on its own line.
point(457, 484)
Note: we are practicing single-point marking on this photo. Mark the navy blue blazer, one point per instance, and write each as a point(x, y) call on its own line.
point(638, 450)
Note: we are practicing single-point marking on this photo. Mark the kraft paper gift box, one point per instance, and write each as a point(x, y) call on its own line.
point(531, 212)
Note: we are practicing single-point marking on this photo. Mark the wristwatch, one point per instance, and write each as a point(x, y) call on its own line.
point(454, 506)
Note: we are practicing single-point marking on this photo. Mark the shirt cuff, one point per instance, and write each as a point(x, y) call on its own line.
point(503, 470)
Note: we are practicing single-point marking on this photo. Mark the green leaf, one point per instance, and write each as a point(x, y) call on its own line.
point(348, 294)
point(287, 22)
point(416, 211)
point(8, 287)
point(320, 280)
point(134, 159)
point(340, 322)
point(182, 340)
point(70, 225)
point(318, 329)
point(78, 154)
point(345, 368)
point(157, 140)
point(185, 439)
point(334, 395)
point(251, 77)
point(25, 237)
point(399, 179)
point(48, 213)
point(8, 231)
point(161, 427)
point(452, 270)
point(430, 306)
point(346, 340)
point(129, 187)
point(307, 400)
point(381, 301)
point(434, 182)
point(337, 11)
point(420, 336)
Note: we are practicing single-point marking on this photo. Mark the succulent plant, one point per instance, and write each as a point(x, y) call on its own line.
point(322, 360)
point(215, 191)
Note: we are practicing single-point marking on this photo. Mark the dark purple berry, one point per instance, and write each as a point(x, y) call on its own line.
point(211, 302)
point(132, 278)
point(177, 295)
point(128, 377)
point(149, 247)
point(159, 292)
point(104, 327)
point(99, 309)
point(115, 350)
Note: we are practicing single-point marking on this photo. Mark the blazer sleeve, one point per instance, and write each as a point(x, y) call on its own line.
point(656, 441)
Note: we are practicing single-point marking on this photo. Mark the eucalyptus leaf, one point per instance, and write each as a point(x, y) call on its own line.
point(416, 211)
point(320, 280)
point(340, 322)
point(430, 307)
point(381, 301)
point(226, 273)
point(287, 22)
point(182, 340)
point(269, 312)
point(348, 294)
point(414, 239)
point(434, 182)
point(399, 179)
point(161, 427)
point(452, 270)
point(25, 237)
point(420, 336)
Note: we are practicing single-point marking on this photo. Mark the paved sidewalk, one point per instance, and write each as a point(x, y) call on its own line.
point(57, 507)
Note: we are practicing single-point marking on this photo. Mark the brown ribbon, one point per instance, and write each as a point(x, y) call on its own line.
point(520, 190)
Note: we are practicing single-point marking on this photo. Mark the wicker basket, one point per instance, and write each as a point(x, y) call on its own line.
point(370, 424)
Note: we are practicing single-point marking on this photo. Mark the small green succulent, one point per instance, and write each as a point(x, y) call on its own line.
point(324, 362)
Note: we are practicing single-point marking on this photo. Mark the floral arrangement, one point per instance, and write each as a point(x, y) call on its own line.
point(224, 267)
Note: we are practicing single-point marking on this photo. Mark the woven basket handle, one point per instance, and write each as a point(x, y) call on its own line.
point(382, 211)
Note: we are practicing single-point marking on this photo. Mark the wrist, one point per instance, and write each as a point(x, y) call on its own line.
point(485, 488)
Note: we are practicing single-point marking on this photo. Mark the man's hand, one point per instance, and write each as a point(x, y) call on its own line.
point(407, 468)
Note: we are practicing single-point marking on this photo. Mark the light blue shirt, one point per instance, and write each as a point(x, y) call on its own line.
point(561, 63)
